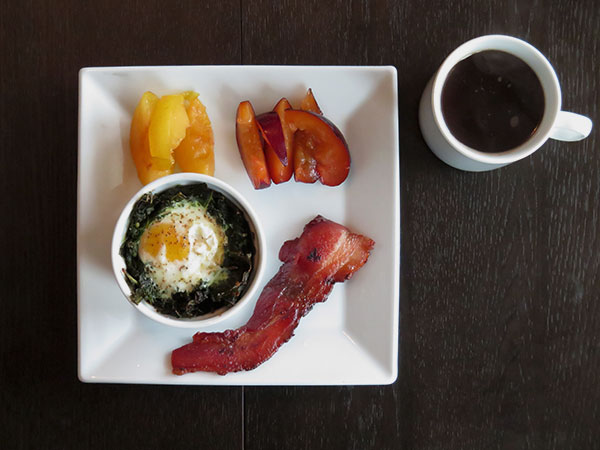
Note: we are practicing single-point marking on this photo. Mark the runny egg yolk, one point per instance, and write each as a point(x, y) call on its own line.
point(159, 234)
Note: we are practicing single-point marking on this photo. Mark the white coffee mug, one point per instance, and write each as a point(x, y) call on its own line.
point(555, 124)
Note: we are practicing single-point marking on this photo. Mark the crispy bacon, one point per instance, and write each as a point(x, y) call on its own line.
point(325, 253)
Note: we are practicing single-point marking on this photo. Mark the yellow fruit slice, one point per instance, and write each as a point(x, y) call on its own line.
point(188, 96)
point(168, 124)
point(146, 166)
point(195, 153)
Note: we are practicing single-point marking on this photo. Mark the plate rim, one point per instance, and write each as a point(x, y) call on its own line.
point(391, 376)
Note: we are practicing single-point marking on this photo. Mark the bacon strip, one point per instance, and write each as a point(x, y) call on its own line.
point(325, 253)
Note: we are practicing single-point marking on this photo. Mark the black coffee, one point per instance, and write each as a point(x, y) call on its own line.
point(492, 101)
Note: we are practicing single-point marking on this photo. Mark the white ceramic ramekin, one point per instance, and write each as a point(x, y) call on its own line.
point(158, 186)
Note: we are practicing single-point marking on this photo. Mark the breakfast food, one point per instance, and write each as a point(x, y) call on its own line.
point(250, 145)
point(320, 150)
point(278, 171)
point(272, 132)
point(147, 167)
point(324, 254)
point(188, 251)
point(196, 153)
point(168, 124)
point(284, 141)
point(309, 103)
point(168, 130)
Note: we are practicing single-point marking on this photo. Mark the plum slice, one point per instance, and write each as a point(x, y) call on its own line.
point(320, 150)
point(272, 132)
point(281, 173)
point(309, 103)
point(250, 146)
point(305, 165)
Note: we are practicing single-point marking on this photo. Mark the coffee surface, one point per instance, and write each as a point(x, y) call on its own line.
point(492, 101)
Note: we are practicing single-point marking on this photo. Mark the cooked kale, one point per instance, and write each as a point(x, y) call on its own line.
point(224, 290)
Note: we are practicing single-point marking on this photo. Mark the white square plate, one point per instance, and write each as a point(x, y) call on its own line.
point(352, 338)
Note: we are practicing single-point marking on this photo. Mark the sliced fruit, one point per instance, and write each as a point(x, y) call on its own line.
point(250, 146)
point(270, 128)
point(188, 96)
point(277, 171)
point(288, 135)
point(196, 153)
point(322, 142)
point(146, 166)
point(168, 126)
point(305, 165)
point(309, 103)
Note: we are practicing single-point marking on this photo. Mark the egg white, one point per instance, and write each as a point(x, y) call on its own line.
point(206, 240)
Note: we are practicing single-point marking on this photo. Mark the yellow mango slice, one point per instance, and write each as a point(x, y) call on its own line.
point(168, 124)
point(195, 153)
point(146, 166)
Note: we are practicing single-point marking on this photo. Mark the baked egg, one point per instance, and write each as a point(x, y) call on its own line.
point(188, 251)
point(183, 248)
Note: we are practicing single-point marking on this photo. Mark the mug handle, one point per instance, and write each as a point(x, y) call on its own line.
point(571, 127)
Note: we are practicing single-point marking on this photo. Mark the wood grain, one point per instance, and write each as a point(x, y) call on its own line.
point(43, 45)
point(499, 316)
point(500, 322)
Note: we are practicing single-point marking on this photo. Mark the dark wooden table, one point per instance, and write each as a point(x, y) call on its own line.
point(500, 308)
